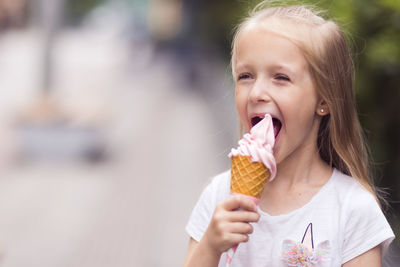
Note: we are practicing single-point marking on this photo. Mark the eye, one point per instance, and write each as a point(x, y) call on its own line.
point(243, 76)
point(282, 77)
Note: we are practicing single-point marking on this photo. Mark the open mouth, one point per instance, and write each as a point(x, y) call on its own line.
point(276, 123)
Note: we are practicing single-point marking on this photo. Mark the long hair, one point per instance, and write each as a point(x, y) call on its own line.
point(340, 137)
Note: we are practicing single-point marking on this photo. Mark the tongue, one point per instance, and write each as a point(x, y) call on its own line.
point(277, 128)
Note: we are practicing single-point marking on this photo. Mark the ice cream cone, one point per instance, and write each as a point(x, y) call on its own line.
point(247, 177)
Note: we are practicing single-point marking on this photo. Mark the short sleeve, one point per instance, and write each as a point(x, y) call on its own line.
point(215, 192)
point(366, 226)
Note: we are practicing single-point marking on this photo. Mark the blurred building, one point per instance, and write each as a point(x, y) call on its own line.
point(13, 14)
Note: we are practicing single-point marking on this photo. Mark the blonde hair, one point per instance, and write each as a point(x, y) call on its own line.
point(340, 138)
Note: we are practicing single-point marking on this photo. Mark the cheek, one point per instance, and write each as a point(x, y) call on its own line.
point(241, 105)
point(301, 118)
point(298, 118)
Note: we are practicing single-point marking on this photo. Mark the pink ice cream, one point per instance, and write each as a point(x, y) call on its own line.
point(259, 144)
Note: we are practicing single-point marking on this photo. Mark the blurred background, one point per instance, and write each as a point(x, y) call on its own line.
point(114, 115)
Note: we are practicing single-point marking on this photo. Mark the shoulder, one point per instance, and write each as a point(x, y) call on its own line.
point(344, 181)
point(356, 200)
point(350, 192)
point(364, 224)
point(219, 186)
point(221, 179)
point(216, 191)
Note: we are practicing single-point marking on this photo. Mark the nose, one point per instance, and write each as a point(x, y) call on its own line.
point(259, 92)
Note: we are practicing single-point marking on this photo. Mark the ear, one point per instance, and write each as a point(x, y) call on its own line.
point(322, 108)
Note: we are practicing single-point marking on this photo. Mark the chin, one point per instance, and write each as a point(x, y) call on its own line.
point(277, 155)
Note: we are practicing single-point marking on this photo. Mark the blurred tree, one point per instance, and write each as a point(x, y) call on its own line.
point(376, 31)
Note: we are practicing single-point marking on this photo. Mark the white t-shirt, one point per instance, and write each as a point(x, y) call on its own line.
point(342, 221)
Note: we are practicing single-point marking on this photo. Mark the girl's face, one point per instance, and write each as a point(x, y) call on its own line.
point(272, 77)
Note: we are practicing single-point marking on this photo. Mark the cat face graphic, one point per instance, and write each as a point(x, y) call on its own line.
point(303, 254)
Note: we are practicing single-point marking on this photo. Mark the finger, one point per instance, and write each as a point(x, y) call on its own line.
point(241, 228)
point(238, 238)
point(243, 216)
point(239, 201)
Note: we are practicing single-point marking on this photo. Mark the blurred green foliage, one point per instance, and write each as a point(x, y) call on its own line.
point(373, 28)
point(76, 9)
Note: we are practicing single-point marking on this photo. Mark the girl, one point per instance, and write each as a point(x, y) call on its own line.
point(321, 209)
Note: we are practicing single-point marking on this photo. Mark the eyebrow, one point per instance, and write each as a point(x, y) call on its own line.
point(285, 69)
point(239, 66)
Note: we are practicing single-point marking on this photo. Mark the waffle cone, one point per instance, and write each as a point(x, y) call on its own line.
point(247, 177)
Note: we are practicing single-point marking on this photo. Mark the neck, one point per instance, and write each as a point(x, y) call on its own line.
point(302, 166)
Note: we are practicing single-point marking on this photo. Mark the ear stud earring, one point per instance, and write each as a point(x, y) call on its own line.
point(322, 110)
